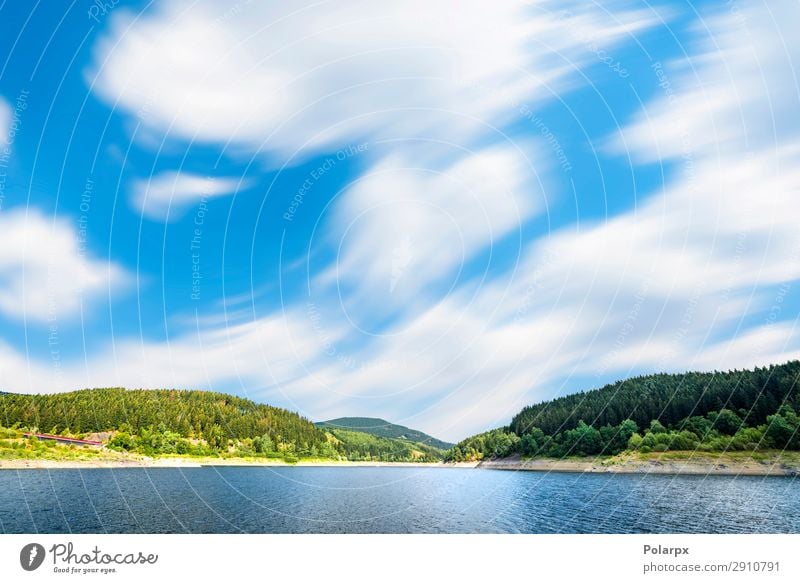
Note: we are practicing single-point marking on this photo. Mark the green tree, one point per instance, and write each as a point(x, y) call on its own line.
point(725, 421)
point(532, 442)
point(781, 431)
point(634, 441)
point(215, 437)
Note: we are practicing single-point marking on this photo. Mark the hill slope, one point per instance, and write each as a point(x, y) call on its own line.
point(669, 398)
point(747, 410)
point(198, 414)
point(361, 446)
point(185, 422)
point(382, 428)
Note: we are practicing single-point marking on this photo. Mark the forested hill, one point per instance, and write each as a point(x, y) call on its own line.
point(381, 428)
point(200, 414)
point(183, 422)
point(748, 410)
point(669, 398)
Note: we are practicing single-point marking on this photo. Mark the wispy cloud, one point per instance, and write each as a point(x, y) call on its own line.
point(687, 279)
point(166, 197)
point(5, 121)
point(292, 81)
point(408, 225)
point(738, 92)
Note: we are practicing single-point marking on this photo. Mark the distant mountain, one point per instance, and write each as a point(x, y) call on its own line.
point(382, 428)
point(361, 446)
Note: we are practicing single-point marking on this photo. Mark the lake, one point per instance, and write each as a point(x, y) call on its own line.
point(389, 500)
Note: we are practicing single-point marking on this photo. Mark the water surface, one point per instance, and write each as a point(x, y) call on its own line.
point(389, 500)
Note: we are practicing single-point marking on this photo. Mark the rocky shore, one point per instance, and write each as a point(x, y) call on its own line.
point(698, 466)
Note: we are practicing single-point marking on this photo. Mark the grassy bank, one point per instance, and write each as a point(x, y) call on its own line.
point(32, 454)
point(120, 462)
point(18, 452)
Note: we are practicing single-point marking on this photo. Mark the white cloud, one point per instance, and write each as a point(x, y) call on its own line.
point(44, 272)
point(5, 121)
point(322, 76)
point(740, 92)
point(727, 219)
point(683, 281)
point(167, 195)
point(730, 227)
point(692, 278)
point(764, 345)
point(409, 224)
point(258, 358)
point(311, 76)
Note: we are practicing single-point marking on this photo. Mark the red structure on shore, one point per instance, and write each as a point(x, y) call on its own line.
point(62, 439)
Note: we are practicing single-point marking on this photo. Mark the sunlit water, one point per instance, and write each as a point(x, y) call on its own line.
point(389, 500)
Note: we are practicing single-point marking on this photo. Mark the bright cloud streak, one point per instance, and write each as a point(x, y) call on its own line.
point(166, 196)
point(310, 77)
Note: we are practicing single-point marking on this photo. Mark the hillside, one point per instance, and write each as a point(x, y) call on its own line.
point(186, 422)
point(211, 417)
point(361, 446)
point(382, 428)
point(745, 410)
point(669, 398)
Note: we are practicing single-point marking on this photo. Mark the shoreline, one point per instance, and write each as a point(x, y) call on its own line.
point(178, 462)
point(699, 466)
point(659, 465)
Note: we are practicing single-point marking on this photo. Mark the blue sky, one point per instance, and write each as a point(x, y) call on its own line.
point(430, 214)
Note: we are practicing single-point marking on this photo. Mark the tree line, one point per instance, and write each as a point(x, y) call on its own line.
point(189, 422)
point(734, 411)
point(212, 417)
point(668, 398)
point(361, 446)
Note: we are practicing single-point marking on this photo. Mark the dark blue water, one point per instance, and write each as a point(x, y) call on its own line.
point(389, 500)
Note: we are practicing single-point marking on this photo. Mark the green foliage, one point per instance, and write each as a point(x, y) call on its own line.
point(215, 436)
point(754, 410)
point(583, 440)
point(533, 443)
point(625, 431)
point(203, 424)
point(6, 433)
point(782, 429)
point(635, 441)
point(263, 444)
point(381, 428)
point(749, 439)
point(122, 441)
point(164, 421)
point(669, 398)
point(358, 446)
point(726, 421)
point(700, 426)
point(494, 443)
